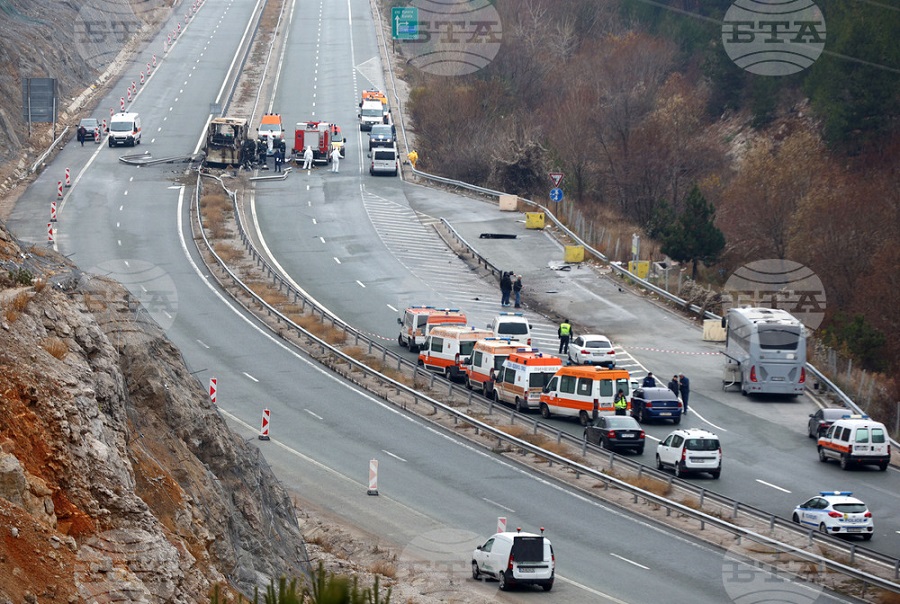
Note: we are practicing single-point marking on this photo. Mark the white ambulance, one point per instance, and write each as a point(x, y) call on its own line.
point(447, 349)
point(417, 322)
point(486, 360)
point(584, 392)
point(523, 377)
point(856, 440)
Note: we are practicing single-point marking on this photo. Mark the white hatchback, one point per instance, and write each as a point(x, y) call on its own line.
point(592, 349)
point(836, 512)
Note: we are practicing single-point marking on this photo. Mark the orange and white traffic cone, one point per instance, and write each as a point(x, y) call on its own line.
point(264, 432)
point(373, 477)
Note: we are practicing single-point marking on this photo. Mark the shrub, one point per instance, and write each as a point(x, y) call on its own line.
point(56, 347)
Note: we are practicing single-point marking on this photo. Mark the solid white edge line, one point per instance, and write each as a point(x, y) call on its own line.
point(624, 559)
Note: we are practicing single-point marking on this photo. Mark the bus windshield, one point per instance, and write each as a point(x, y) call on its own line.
point(778, 338)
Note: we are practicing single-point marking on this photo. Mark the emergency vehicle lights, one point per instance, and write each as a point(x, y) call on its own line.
point(839, 493)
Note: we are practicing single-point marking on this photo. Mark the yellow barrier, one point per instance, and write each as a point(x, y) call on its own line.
point(574, 253)
point(534, 220)
point(641, 268)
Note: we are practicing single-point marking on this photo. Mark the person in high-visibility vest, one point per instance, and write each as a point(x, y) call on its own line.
point(413, 157)
point(620, 404)
point(565, 332)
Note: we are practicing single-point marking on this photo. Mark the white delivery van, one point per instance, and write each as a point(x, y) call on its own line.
point(125, 129)
point(385, 160)
point(448, 348)
point(512, 325)
point(584, 392)
point(523, 377)
point(486, 360)
point(371, 112)
point(516, 558)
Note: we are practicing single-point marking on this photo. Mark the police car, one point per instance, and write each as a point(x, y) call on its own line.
point(836, 512)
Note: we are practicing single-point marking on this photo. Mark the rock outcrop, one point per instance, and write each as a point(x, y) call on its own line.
point(119, 481)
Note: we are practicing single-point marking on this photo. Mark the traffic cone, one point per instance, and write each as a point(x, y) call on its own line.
point(52, 211)
point(212, 390)
point(264, 433)
point(373, 477)
point(68, 178)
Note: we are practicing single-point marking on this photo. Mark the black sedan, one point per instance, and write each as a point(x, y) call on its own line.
point(821, 420)
point(616, 432)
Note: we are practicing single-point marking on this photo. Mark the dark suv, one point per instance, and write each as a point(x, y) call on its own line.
point(382, 135)
point(655, 403)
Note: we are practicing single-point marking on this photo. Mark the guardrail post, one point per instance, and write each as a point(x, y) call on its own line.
point(535, 429)
point(734, 511)
point(852, 553)
point(772, 523)
point(370, 347)
point(897, 570)
point(399, 363)
point(640, 472)
point(356, 340)
point(611, 460)
point(469, 398)
point(490, 406)
point(430, 382)
point(702, 525)
point(583, 448)
point(702, 497)
point(449, 388)
point(558, 436)
point(383, 355)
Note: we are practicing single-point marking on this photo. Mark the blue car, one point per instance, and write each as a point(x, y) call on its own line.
point(655, 404)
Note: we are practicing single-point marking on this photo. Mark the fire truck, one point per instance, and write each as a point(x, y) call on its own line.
point(321, 136)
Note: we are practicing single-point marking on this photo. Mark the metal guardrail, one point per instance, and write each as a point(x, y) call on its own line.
point(49, 149)
point(851, 550)
point(832, 387)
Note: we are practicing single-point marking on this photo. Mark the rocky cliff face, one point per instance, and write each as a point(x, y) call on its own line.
point(118, 479)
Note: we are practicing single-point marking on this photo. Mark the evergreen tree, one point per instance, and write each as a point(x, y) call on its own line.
point(694, 235)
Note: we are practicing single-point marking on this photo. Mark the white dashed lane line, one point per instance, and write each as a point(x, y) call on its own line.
point(769, 484)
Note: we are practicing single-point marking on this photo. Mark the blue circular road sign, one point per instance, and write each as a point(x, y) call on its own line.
point(556, 194)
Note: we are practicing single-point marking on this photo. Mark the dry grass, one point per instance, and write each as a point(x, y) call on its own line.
point(94, 303)
point(888, 597)
point(39, 284)
point(56, 347)
point(227, 252)
point(20, 302)
point(383, 568)
point(652, 485)
point(11, 315)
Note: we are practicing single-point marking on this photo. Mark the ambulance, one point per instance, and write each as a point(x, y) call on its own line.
point(486, 361)
point(447, 349)
point(417, 321)
point(523, 377)
point(583, 392)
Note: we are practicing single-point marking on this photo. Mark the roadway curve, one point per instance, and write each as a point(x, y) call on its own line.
point(131, 223)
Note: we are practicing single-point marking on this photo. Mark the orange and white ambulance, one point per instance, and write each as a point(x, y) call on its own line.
point(584, 392)
point(447, 349)
point(417, 322)
point(486, 360)
point(523, 377)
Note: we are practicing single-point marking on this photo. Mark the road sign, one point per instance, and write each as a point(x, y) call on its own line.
point(556, 177)
point(405, 23)
point(556, 194)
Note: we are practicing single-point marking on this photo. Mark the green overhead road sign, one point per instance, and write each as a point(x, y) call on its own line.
point(405, 23)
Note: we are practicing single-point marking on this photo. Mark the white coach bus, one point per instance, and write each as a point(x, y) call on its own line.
point(765, 350)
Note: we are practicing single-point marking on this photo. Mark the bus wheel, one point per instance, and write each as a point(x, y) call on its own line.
point(584, 418)
point(520, 406)
point(545, 411)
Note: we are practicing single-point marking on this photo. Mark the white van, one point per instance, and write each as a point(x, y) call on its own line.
point(125, 129)
point(418, 321)
point(523, 377)
point(371, 112)
point(486, 361)
point(516, 559)
point(385, 160)
point(447, 349)
point(512, 325)
point(856, 440)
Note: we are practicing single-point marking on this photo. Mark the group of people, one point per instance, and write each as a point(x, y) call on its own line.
point(510, 283)
point(335, 156)
point(680, 386)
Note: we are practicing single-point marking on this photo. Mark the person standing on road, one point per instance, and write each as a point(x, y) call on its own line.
point(335, 159)
point(673, 385)
point(82, 134)
point(649, 380)
point(279, 158)
point(620, 404)
point(564, 332)
point(517, 288)
point(684, 386)
point(505, 288)
point(307, 158)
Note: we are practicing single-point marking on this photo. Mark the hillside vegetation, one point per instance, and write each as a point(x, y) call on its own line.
point(658, 132)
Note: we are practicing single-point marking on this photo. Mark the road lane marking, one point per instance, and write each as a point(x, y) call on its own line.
point(703, 419)
point(315, 221)
point(361, 284)
point(322, 239)
point(251, 377)
point(392, 308)
point(769, 484)
point(386, 452)
point(202, 343)
point(623, 559)
point(315, 415)
point(336, 259)
point(502, 507)
point(591, 590)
